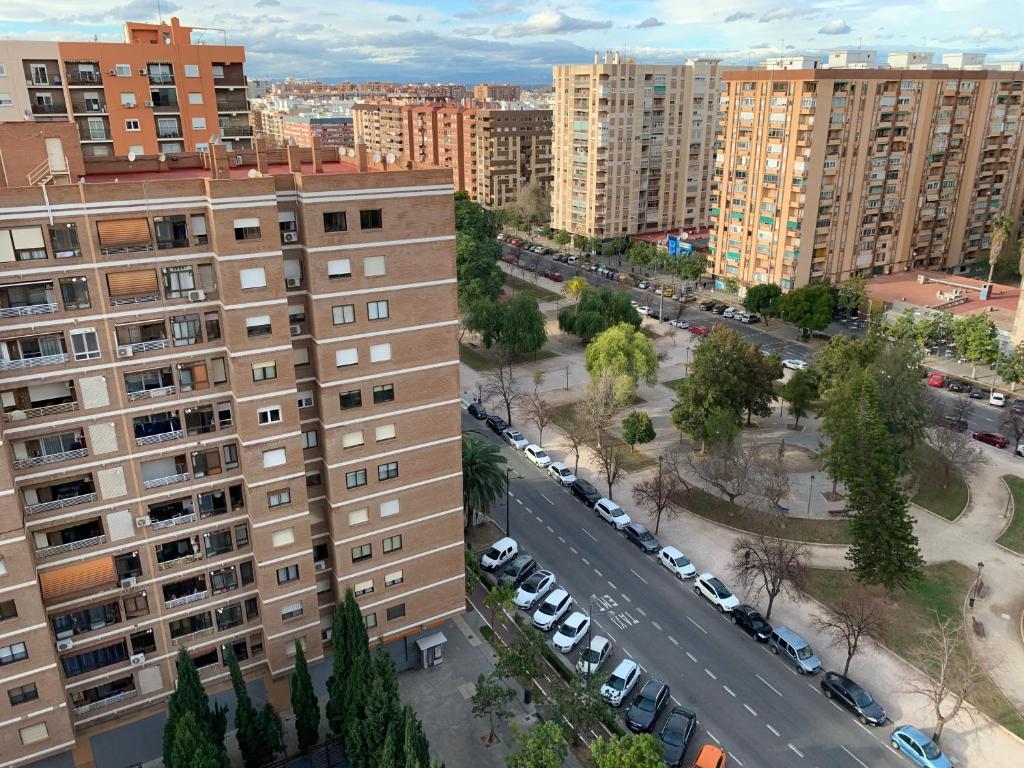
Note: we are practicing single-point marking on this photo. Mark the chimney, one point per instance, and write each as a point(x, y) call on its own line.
point(262, 162)
point(294, 158)
point(220, 163)
point(317, 151)
point(361, 158)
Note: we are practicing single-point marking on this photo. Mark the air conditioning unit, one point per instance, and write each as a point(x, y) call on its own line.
point(320, 565)
point(138, 659)
point(142, 522)
point(149, 103)
point(65, 645)
point(238, 160)
point(112, 73)
point(295, 329)
point(197, 295)
point(292, 282)
point(125, 351)
point(129, 583)
point(142, 71)
point(290, 237)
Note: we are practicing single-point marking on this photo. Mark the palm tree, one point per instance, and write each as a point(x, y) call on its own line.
point(1020, 252)
point(483, 479)
point(1002, 228)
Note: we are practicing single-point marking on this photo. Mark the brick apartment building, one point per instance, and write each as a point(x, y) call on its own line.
point(851, 167)
point(332, 131)
point(229, 393)
point(497, 92)
point(157, 92)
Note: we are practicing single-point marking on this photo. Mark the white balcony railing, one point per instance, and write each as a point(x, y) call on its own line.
point(189, 517)
point(167, 565)
point(31, 309)
point(163, 437)
point(71, 546)
point(32, 362)
point(110, 700)
point(44, 410)
point(182, 639)
point(158, 482)
point(195, 597)
point(50, 458)
point(145, 394)
point(49, 506)
point(146, 346)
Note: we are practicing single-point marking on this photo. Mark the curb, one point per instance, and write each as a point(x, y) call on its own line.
point(752, 533)
point(1009, 522)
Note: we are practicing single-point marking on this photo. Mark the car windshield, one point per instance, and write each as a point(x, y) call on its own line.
point(570, 629)
point(646, 536)
point(616, 683)
point(682, 561)
point(532, 583)
point(547, 609)
point(804, 653)
point(493, 553)
point(540, 454)
point(863, 698)
point(721, 590)
point(931, 749)
point(516, 436)
point(757, 623)
point(671, 736)
point(564, 472)
point(591, 655)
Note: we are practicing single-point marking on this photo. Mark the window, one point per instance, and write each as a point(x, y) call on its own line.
point(344, 314)
point(12, 653)
point(384, 432)
point(279, 498)
point(247, 229)
point(199, 123)
point(254, 277)
point(288, 573)
point(269, 415)
point(352, 439)
point(351, 399)
point(6, 100)
point(393, 543)
point(389, 508)
point(264, 371)
point(338, 268)
point(363, 587)
point(370, 219)
point(8, 610)
point(310, 439)
point(274, 458)
point(22, 694)
point(396, 611)
point(218, 71)
point(195, 98)
point(373, 266)
point(305, 399)
point(283, 538)
point(291, 611)
point(387, 471)
point(64, 238)
point(358, 516)
point(384, 393)
point(355, 479)
point(191, 70)
point(393, 579)
point(380, 353)
point(85, 344)
point(362, 552)
point(335, 221)
point(74, 293)
point(33, 733)
point(314, 480)
point(131, 125)
point(377, 310)
point(344, 357)
point(3, 567)
point(258, 325)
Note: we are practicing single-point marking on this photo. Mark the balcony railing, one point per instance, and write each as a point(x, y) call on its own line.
point(237, 130)
point(44, 410)
point(94, 134)
point(168, 133)
point(168, 565)
point(116, 249)
point(110, 700)
point(31, 309)
point(145, 394)
point(84, 78)
point(71, 546)
point(158, 482)
point(161, 438)
point(50, 458)
point(49, 506)
point(49, 109)
point(161, 78)
point(136, 299)
point(182, 639)
point(145, 346)
point(32, 362)
point(195, 597)
point(185, 519)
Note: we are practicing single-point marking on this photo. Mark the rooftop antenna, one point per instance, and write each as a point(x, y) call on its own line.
point(160, 11)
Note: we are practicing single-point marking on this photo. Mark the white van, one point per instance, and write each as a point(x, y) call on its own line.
point(500, 553)
point(572, 259)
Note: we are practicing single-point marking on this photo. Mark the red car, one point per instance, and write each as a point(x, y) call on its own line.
point(514, 241)
point(556, 276)
point(936, 380)
point(991, 438)
point(699, 330)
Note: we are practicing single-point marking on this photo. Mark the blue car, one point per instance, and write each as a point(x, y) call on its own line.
point(918, 747)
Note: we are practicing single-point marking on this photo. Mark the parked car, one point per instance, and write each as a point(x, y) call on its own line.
point(499, 553)
point(998, 399)
point(514, 438)
point(955, 422)
point(991, 438)
point(680, 324)
point(715, 592)
point(533, 589)
point(1017, 406)
point(642, 537)
point(644, 711)
point(537, 456)
point(729, 312)
point(675, 562)
point(719, 309)
point(937, 380)
point(561, 473)
point(707, 305)
point(518, 570)
point(794, 365)
point(594, 655)
point(585, 491)
point(676, 734)
point(502, 236)
point(553, 275)
point(853, 697)
point(496, 424)
point(552, 608)
point(644, 310)
point(749, 318)
point(955, 385)
point(699, 330)
point(477, 411)
point(786, 643)
point(611, 513)
point(976, 392)
point(748, 619)
point(921, 750)
point(573, 630)
point(621, 681)
point(710, 756)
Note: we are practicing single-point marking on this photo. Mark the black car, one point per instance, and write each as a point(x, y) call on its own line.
point(854, 698)
point(956, 386)
point(676, 734)
point(644, 711)
point(585, 492)
point(642, 537)
point(719, 308)
point(750, 621)
point(518, 570)
point(496, 424)
point(477, 411)
point(1018, 406)
point(976, 392)
point(707, 305)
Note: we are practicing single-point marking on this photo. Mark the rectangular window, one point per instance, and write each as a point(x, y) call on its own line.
point(191, 70)
point(344, 314)
point(85, 344)
point(310, 439)
point(283, 538)
point(254, 277)
point(396, 611)
point(8, 610)
point(338, 268)
point(291, 611)
point(377, 310)
point(393, 543)
point(275, 457)
point(380, 353)
point(12, 653)
point(269, 415)
point(393, 579)
point(387, 471)
point(335, 221)
point(6, 100)
point(258, 325)
point(362, 552)
point(195, 98)
point(344, 357)
point(389, 508)
point(370, 219)
point(288, 573)
point(34, 733)
point(355, 479)
point(373, 266)
point(264, 371)
point(358, 516)
point(279, 498)
point(22, 694)
point(247, 229)
point(384, 432)
point(352, 439)
point(351, 399)
point(64, 238)
point(363, 587)
point(383, 393)
point(199, 123)
point(370, 620)
point(305, 399)
point(131, 125)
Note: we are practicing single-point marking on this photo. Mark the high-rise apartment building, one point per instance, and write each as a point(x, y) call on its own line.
point(497, 92)
point(155, 93)
point(229, 393)
point(823, 172)
point(632, 145)
point(331, 130)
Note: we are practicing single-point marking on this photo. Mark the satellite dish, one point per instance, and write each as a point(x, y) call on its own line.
point(162, 158)
point(376, 157)
point(350, 152)
point(131, 157)
point(253, 173)
point(390, 157)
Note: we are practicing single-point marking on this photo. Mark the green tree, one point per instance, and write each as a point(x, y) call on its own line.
point(843, 355)
point(304, 703)
point(1001, 231)
point(904, 400)
point(808, 308)
point(976, 339)
point(259, 736)
point(501, 599)
point(761, 299)
point(574, 288)
point(542, 746)
point(491, 701)
point(522, 326)
point(190, 697)
point(759, 389)
point(608, 250)
point(523, 658)
point(415, 746)
point(191, 746)
point(595, 312)
point(800, 391)
point(475, 220)
point(483, 477)
point(629, 751)
point(852, 294)
point(562, 238)
point(731, 285)
point(691, 266)
point(579, 702)
point(368, 733)
point(348, 640)
point(1011, 367)
point(637, 428)
point(623, 351)
point(579, 242)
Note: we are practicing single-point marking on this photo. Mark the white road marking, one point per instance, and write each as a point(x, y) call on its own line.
point(539, 518)
point(674, 641)
point(797, 751)
point(561, 539)
point(692, 657)
point(676, 701)
point(727, 690)
point(710, 673)
point(589, 534)
point(698, 626)
point(626, 598)
point(737, 760)
point(550, 529)
point(549, 501)
point(601, 575)
point(573, 550)
point(639, 576)
point(626, 651)
point(769, 727)
point(612, 585)
point(709, 733)
point(585, 561)
point(519, 501)
point(769, 684)
point(852, 755)
point(642, 612)
point(750, 709)
point(657, 626)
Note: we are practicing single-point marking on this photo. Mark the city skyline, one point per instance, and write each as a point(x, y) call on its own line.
point(478, 40)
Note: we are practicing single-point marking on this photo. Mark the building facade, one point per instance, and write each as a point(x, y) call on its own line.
point(155, 93)
point(497, 92)
point(822, 173)
point(330, 130)
point(632, 145)
point(227, 397)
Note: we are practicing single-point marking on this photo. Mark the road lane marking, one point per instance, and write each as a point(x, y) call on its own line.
point(676, 701)
point(639, 576)
point(550, 529)
point(692, 657)
point(737, 760)
point(626, 651)
point(750, 709)
point(573, 550)
point(539, 518)
point(601, 575)
point(710, 673)
point(769, 727)
point(797, 751)
point(727, 690)
point(626, 598)
point(769, 684)
point(852, 755)
point(561, 539)
point(709, 733)
point(674, 641)
point(642, 612)
point(589, 534)
point(698, 626)
point(585, 561)
point(519, 501)
point(549, 501)
point(657, 626)
point(612, 585)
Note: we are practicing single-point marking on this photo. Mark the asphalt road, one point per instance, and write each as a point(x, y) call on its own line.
point(756, 707)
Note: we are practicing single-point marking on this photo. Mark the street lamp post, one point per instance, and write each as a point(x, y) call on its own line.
point(810, 494)
point(508, 472)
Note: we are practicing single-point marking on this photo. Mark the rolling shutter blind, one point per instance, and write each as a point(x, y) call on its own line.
point(28, 238)
point(252, 223)
point(80, 577)
point(6, 249)
point(141, 282)
point(119, 232)
point(257, 320)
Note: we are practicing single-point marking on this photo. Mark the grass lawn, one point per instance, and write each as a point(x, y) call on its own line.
point(942, 592)
point(480, 359)
point(719, 510)
point(1013, 537)
point(632, 461)
point(518, 285)
point(946, 502)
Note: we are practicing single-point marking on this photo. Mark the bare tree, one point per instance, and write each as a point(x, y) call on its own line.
point(728, 468)
point(857, 614)
point(530, 261)
point(574, 433)
point(609, 459)
point(1013, 427)
point(771, 566)
point(953, 671)
point(605, 398)
point(655, 494)
point(954, 450)
point(500, 383)
point(537, 411)
point(770, 480)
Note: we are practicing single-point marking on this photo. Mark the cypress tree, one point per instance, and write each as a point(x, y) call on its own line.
point(340, 665)
point(190, 745)
point(417, 750)
point(271, 732)
point(190, 697)
point(304, 703)
point(246, 725)
point(388, 756)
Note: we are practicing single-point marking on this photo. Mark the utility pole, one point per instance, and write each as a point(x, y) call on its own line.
point(508, 472)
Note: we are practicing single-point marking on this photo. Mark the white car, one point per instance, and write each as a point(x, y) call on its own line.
point(538, 584)
point(729, 312)
point(611, 513)
point(644, 310)
point(677, 563)
point(573, 630)
point(997, 399)
point(715, 592)
point(794, 365)
point(500, 553)
point(680, 324)
point(502, 236)
point(621, 682)
point(561, 473)
point(596, 654)
point(634, 303)
point(552, 609)
point(515, 438)
point(537, 456)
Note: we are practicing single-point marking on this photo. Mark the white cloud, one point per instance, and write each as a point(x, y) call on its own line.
point(789, 12)
point(489, 8)
point(835, 27)
point(397, 18)
point(650, 22)
point(738, 16)
point(549, 23)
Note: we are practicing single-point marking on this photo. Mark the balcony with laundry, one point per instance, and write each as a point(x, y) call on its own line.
point(153, 428)
point(186, 591)
point(83, 73)
point(33, 401)
point(58, 494)
point(88, 700)
point(68, 538)
point(49, 449)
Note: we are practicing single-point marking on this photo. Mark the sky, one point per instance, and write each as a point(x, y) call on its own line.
point(518, 41)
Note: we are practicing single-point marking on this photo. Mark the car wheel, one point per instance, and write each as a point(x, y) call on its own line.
point(775, 650)
point(895, 745)
point(679, 575)
point(721, 609)
point(696, 591)
point(863, 720)
point(732, 618)
point(828, 693)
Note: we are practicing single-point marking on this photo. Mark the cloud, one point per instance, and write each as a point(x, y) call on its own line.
point(738, 16)
point(789, 12)
point(266, 3)
point(397, 18)
point(549, 23)
point(835, 27)
point(650, 22)
point(136, 10)
point(471, 31)
point(489, 8)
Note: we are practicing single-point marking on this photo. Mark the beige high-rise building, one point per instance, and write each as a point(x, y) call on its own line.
point(229, 393)
point(632, 145)
point(826, 172)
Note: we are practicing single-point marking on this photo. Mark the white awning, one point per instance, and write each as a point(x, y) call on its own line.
point(431, 641)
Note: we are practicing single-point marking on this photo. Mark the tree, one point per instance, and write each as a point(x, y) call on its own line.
point(501, 599)
point(533, 202)
point(1001, 230)
point(522, 326)
point(976, 339)
point(762, 299)
point(304, 703)
point(258, 733)
point(691, 266)
point(696, 413)
point(1013, 424)
point(637, 428)
point(523, 658)
point(726, 467)
point(574, 287)
point(800, 391)
point(609, 460)
point(771, 566)
point(851, 293)
point(491, 701)
point(731, 285)
point(500, 383)
point(808, 308)
point(623, 351)
point(952, 669)
point(579, 242)
point(191, 746)
point(629, 751)
point(416, 747)
point(606, 396)
point(955, 450)
point(574, 434)
point(562, 238)
point(190, 698)
point(542, 746)
point(483, 477)
point(655, 494)
point(348, 642)
point(473, 219)
point(769, 476)
point(903, 399)
point(380, 714)
point(595, 312)
point(856, 615)
point(1011, 367)
point(537, 411)
point(579, 703)
point(759, 384)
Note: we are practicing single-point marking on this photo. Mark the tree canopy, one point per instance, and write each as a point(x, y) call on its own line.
point(596, 311)
point(809, 308)
point(622, 350)
point(762, 299)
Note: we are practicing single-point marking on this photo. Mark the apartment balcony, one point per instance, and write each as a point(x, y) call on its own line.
point(50, 458)
point(160, 482)
point(160, 437)
point(146, 385)
point(232, 103)
point(188, 638)
point(168, 132)
point(107, 701)
point(71, 546)
point(28, 299)
point(53, 108)
point(185, 592)
point(44, 410)
point(84, 77)
point(69, 492)
point(161, 78)
point(94, 134)
point(175, 554)
point(50, 506)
